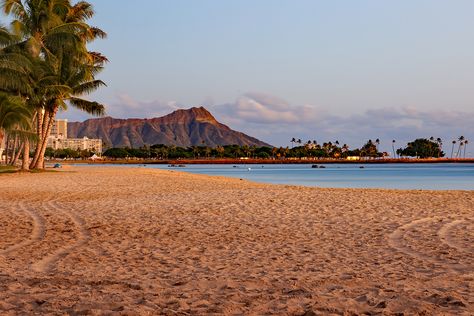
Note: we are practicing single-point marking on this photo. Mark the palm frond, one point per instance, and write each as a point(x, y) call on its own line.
point(90, 107)
point(88, 87)
point(14, 7)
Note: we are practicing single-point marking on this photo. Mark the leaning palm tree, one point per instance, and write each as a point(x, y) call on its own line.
point(13, 114)
point(56, 32)
point(67, 83)
point(461, 143)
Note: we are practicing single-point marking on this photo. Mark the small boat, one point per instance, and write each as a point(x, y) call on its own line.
point(314, 166)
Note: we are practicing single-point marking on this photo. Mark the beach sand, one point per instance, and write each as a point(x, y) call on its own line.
point(137, 241)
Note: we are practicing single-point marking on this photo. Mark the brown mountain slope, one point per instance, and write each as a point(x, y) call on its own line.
point(192, 127)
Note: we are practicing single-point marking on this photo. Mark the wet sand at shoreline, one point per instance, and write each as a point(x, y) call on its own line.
point(137, 241)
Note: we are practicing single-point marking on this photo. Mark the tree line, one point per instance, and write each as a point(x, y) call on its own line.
point(421, 148)
point(45, 66)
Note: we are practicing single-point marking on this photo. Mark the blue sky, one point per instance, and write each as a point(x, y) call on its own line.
point(324, 70)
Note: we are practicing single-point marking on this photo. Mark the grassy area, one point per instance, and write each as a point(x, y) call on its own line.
point(7, 169)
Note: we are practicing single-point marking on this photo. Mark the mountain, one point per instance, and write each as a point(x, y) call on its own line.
point(191, 127)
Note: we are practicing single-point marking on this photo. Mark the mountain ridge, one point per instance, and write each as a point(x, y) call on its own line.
point(184, 127)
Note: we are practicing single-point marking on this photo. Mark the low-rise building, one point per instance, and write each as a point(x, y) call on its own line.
point(85, 143)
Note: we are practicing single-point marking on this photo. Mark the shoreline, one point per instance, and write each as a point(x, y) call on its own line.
point(267, 161)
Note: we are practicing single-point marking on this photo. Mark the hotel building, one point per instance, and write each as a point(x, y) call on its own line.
point(58, 139)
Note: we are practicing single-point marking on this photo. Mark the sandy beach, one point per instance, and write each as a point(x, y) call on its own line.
point(136, 241)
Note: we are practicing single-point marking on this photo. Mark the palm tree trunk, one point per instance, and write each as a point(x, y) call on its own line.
point(39, 131)
point(46, 131)
point(452, 151)
point(465, 145)
point(14, 151)
point(7, 149)
point(2, 136)
point(26, 155)
point(44, 120)
point(17, 155)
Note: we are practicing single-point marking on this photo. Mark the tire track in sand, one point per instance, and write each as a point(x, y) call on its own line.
point(37, 234)
point(397, 241)
point(48, 263)
point(445, 236)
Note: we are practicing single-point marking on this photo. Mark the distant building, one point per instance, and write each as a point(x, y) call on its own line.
point(58, 139)
point(59, 128)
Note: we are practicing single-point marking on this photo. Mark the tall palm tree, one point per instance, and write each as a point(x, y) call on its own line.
point(465, 146)
point(461, 143)
point(56, 32)
point(293, 140)
point(377, 143)
point(13, 114)
point(440, 144)
point(452, 149)
point(393, 148)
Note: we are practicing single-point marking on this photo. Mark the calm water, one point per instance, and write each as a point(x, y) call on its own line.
point(390, 176)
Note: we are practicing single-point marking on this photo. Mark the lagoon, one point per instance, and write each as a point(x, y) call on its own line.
point(450, 176)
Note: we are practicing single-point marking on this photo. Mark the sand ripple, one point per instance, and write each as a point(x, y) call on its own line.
point(146, 242)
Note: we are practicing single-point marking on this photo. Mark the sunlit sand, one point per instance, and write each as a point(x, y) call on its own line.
point(95, 240)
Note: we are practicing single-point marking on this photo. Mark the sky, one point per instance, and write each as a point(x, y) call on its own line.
point(277, 69)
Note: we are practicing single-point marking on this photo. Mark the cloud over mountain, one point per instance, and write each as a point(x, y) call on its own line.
point(276, 121)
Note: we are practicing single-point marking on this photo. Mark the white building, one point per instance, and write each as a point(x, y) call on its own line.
point(58, 139)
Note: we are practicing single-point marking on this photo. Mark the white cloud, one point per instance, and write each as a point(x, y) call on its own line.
point(261, 108)
point(127, 107)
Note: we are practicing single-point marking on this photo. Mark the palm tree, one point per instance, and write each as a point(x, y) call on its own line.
point(13, 116)
point(293, 140)
point(56, 32)
point(393, 148)
point(440, 144)
point(465, 146)
point(461, 143)
point(377, 143)
point(452, 149)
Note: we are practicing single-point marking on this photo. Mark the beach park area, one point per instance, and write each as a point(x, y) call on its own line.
point(137, 241)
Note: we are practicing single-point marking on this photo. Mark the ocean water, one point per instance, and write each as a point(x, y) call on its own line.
point(387, 176)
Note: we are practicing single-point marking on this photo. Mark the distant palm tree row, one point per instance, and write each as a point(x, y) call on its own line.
point(435, 146)
point(463, 142)
point(44, 66)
